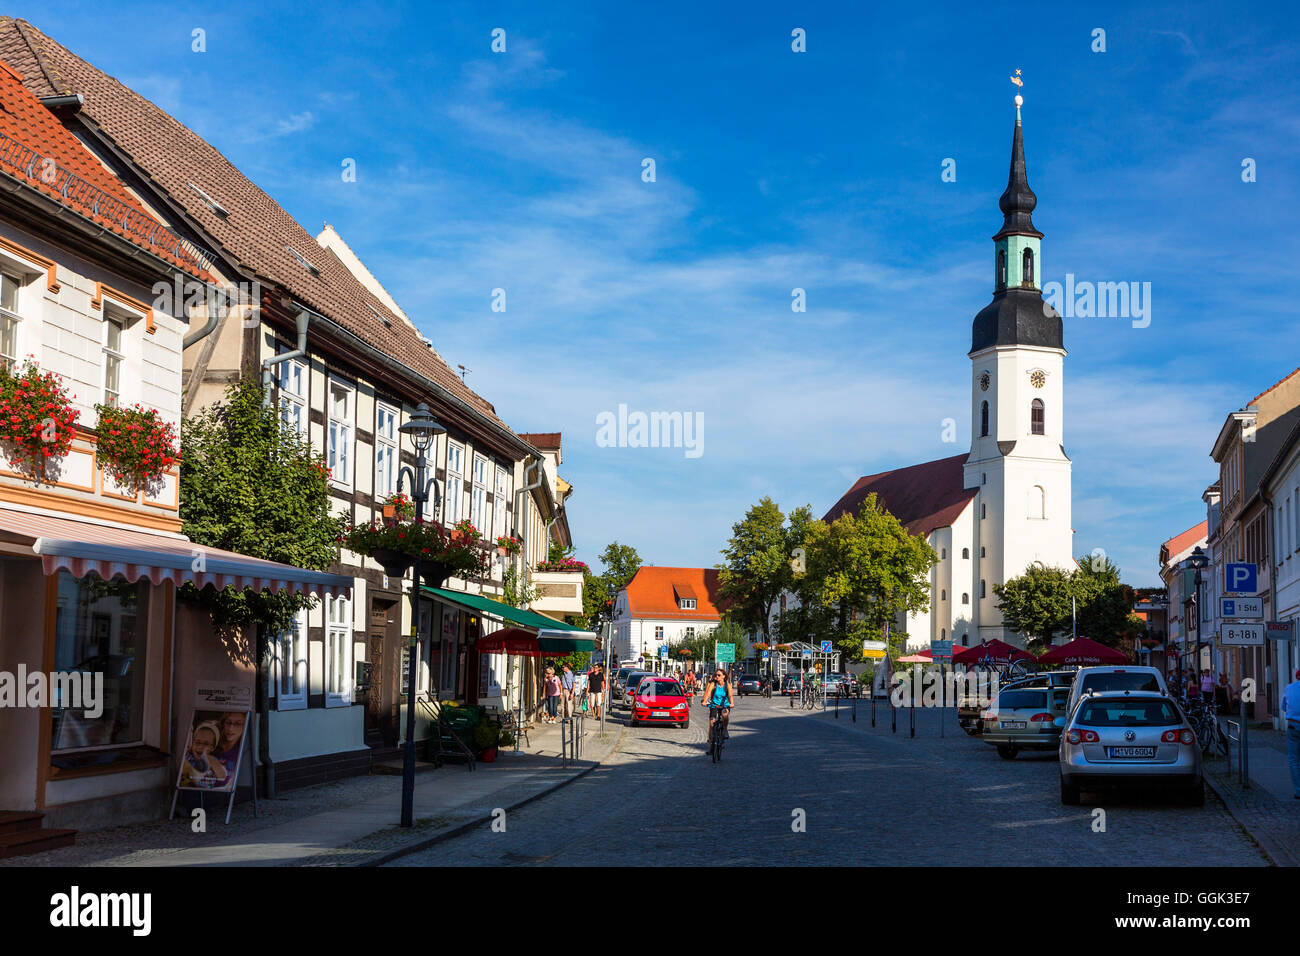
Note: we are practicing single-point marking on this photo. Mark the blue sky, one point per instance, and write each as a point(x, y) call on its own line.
point(776, 170)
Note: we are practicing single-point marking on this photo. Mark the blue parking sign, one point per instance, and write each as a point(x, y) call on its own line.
point(766, 655)
point(1241, 578)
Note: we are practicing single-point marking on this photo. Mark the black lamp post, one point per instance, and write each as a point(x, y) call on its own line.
point(423, 429)
point(1198, 561)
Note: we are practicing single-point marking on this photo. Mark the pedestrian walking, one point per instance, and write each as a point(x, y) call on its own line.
point(568, 681)
point(1291, 708)
point(1193, 687)
point(552, 694)
point(1223, 693)
point(1207, 685)
point(595, 687)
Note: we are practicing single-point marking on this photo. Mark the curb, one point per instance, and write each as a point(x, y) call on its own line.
point(1277, 854)
point(463, 828)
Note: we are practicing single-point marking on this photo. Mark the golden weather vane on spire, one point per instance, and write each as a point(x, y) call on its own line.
point(1017, 80)
point(1019, 99)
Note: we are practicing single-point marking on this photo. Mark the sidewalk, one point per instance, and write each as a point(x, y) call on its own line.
point(1267, 808)
point(349, 822)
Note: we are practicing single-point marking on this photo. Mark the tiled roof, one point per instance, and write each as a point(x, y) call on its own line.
point(652, 593)
point(1185, 541)
point(922, 497)
point(257, 232)
point(37, 150)
point(542, 440)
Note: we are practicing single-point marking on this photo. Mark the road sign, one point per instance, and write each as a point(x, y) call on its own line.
point(1247, 607)
point(725, 652)
point(1241, 578)
point(874, 646)
point(663, 652)
point(807, 655)
point(766, 655)
point(1242, 635)
point(941, 650)
point(826, 647)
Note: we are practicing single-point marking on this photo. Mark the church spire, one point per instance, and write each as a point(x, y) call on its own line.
point(1018, 201)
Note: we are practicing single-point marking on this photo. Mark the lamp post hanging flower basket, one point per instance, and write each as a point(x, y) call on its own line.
point(396, 545)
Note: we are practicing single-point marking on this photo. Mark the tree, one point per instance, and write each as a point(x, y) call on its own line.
point(1036, 603)
point(599, 591)
point(1105, 605)
point(250, 484)
point(869, 570)
point(621, 564)
point(757, 564)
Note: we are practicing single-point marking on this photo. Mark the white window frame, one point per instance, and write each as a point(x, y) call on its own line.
point(11, 319)
point(290, 649)
point(455, 481)
point(686, 604)
point(386, 446)
point(294, 382)
point(500, 524)
point(478, 495)
point(339, 651)
point(341, 431)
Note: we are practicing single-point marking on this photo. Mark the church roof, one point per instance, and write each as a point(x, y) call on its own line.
point(1018, 200)
point(1017, 317)
point(922, 497)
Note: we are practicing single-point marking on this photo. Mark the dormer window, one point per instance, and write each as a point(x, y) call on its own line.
point(686, 604)
point(1027, 268)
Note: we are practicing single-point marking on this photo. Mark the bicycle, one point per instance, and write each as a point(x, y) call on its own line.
point(717, 735)
point(811, 694)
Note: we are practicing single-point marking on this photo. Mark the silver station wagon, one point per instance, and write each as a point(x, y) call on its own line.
point(1130, 739)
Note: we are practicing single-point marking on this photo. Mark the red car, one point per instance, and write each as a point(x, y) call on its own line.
point(660, 700)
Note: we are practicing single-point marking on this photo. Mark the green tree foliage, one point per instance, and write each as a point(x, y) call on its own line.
point(253, 486)
point(868, 570)
point(1037, 603)
point(599, 591)
point(756, 566)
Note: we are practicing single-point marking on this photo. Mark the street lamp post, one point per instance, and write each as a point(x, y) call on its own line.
point(423, 429)
point(1198, 561)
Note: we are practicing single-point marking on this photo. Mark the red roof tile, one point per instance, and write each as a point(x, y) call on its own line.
point(257, 232)
point(1271, 387)
point(542, 440)
point(1188, 539)
point(652, 592)
point(922, 497)
point(38, 151)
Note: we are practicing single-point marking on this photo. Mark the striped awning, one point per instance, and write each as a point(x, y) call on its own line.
point(110, 550)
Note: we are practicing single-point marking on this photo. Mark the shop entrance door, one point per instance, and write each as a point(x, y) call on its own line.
point(384, 653)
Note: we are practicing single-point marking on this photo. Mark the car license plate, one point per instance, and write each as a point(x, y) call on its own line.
point(1132, 751)
point(659, 713)
point(1013, 725)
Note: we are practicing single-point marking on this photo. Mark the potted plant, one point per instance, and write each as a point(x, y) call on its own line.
point(37, 419)
point(487, 735)
point(395, 544)
point(562, 564)
point(134, 445)
point(508, 544)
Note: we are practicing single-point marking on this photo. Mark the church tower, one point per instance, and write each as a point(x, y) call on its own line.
point(1017, 463)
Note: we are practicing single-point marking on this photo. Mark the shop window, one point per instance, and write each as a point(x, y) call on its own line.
point(101, 628)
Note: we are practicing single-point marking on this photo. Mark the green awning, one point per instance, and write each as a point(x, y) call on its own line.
point(553, 637)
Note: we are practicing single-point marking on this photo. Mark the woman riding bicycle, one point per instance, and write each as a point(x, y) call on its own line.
point(718, 696)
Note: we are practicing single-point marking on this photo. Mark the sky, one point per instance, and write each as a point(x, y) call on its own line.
point(774, 170)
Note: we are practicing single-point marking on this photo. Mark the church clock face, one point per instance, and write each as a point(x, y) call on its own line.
point(1038, 379)
point(984, 382)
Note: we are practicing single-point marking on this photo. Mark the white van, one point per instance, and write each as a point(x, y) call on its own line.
point(1095, 680)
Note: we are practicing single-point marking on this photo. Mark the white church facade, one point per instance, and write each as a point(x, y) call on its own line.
point(992, 513)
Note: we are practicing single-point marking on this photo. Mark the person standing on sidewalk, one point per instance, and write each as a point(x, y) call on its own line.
point(1291, 708)
point(595, 685)
point(567, 682)
point(552, 694)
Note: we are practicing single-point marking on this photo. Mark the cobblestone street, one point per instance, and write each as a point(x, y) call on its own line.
point(868, 796)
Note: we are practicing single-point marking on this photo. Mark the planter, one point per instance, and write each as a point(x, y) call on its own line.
point(502, 552)
point(489, 755)
point(394, 563)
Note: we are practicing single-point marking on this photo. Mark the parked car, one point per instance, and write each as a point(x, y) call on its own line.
point(791, 685)
point(623, 690)
point(1130, 738)
point(1097, 680)
point(659, 700)
point(1025, 718)
point(749, 684)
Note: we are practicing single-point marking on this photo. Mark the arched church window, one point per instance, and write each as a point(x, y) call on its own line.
point(943, 595)
point(1037, 502)
point(965, 552)
point(965, 598)
point(983, 552)
point(984, 419)
point(943, 633)
point(1036, 417)
point(943, 553)
point(1027, 268)
point(1002, 269)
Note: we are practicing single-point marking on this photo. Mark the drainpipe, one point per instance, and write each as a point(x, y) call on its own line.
point(1272, 595)
point(301, 320)
point(214, 311)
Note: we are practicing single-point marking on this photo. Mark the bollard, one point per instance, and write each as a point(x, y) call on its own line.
point(855, 708)
point(564, 754)
point(893, 717)
point(873, 707)
point(911, 718)
point(837, 706)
